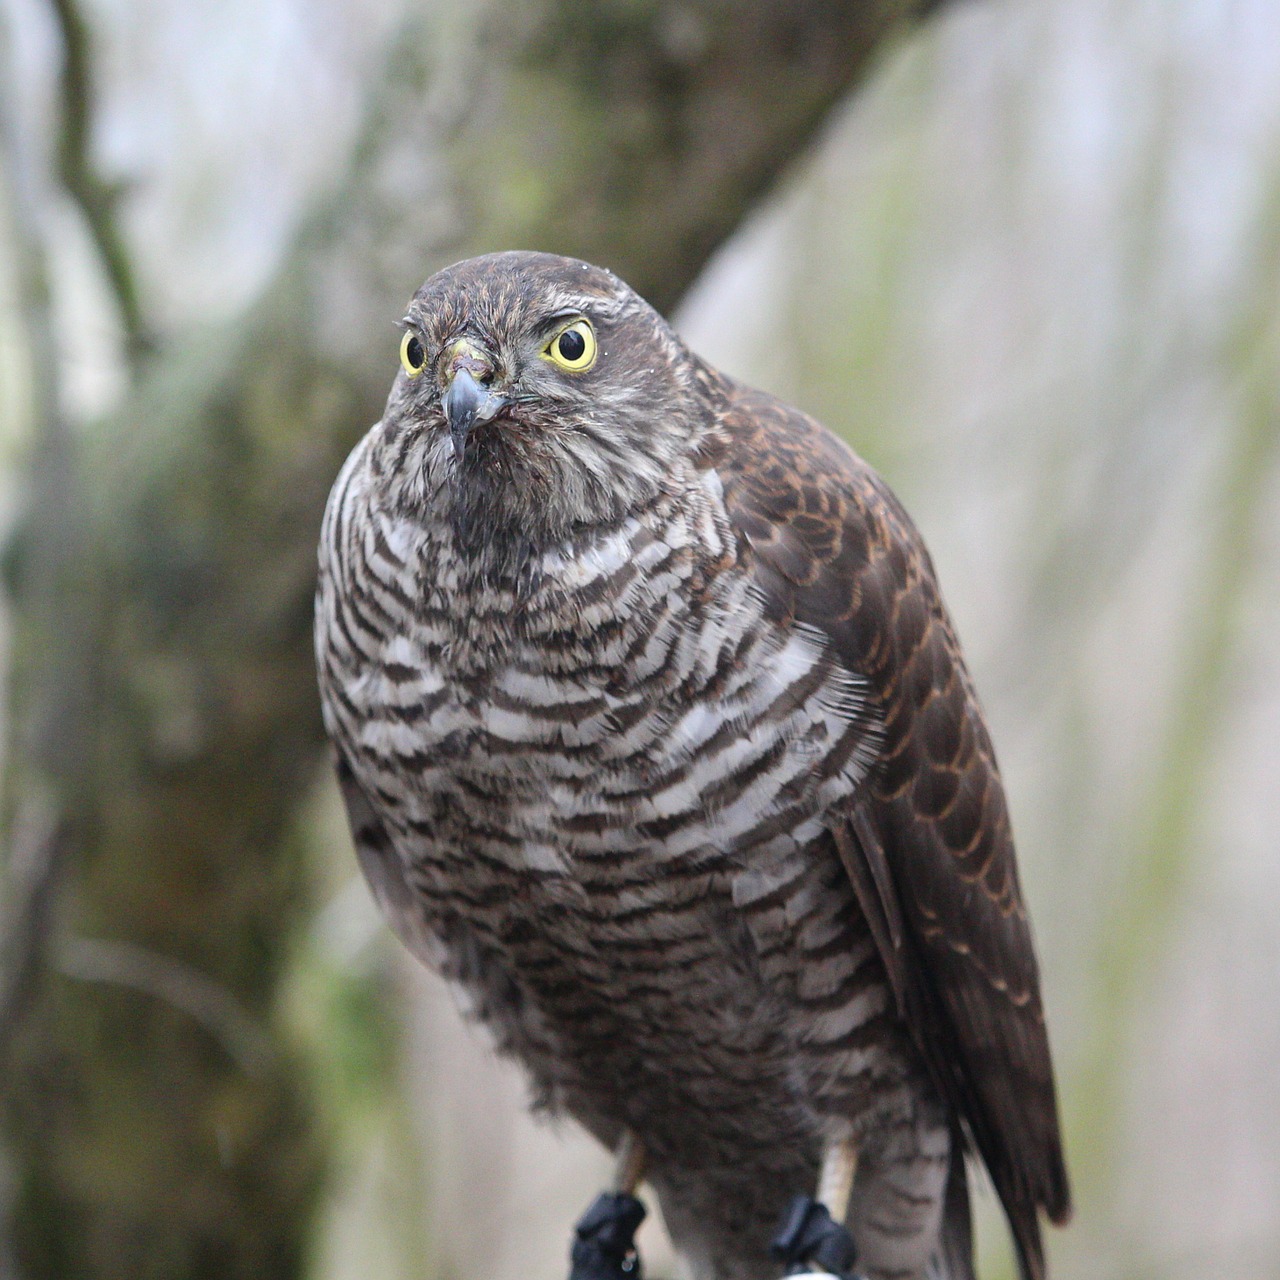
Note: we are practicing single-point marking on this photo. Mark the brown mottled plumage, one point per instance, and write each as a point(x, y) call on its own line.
point(656, 739)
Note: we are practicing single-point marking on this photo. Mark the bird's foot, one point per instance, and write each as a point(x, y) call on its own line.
point(604, 1239)
point(811, 1243)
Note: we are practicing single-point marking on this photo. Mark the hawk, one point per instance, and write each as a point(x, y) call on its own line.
point(656, 740)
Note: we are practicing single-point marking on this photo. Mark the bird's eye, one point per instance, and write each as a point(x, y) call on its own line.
point(573, 348)
point(412, 355)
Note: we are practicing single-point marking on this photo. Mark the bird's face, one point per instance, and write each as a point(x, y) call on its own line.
point(538, 395)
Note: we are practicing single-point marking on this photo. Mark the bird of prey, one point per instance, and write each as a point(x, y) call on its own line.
point(656, 740)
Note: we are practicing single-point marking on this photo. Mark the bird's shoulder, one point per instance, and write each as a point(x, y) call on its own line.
point(827, 540)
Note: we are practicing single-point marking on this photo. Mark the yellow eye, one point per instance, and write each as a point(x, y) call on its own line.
point(412, 355)
point(573, 348)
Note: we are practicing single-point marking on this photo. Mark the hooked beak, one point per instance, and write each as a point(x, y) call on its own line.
point(468, 404)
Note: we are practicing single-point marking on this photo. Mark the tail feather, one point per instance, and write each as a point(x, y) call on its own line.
point(1024, 1223)
point(954, 1260)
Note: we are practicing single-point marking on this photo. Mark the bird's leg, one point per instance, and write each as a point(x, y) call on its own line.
point(812, 1239)
point(628, 1168)
point(835, 1182)
point(604, 1239)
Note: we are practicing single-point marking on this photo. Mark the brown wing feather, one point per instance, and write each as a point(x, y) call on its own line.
point(928, 847)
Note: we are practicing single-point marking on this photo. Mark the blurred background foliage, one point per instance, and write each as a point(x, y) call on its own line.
point(1025, 257)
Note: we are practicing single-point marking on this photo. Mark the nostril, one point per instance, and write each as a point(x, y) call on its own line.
point(481, 371)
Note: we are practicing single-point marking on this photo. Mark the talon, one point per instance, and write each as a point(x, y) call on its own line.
point(604, 1239)
point(811, 1243)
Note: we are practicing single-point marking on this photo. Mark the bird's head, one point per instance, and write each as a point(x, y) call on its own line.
point(538, 395)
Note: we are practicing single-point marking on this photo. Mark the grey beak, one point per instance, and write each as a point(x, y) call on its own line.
point(468, 404)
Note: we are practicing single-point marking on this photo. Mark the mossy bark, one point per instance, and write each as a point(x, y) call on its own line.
point(148, 1136)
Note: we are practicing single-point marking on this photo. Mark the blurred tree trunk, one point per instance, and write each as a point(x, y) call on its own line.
point(160, 1126)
